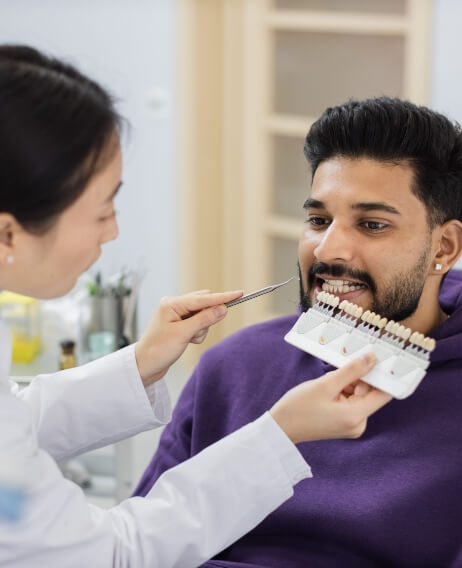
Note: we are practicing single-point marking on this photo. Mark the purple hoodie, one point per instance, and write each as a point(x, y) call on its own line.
point(390, 498)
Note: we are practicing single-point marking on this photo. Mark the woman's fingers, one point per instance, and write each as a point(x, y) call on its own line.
point(183, 307)
point(342, 378)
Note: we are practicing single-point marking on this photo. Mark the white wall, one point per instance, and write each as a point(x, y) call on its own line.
point(446, 84)
point(130, 48)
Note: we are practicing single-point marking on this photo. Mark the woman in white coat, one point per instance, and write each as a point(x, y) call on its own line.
point(60, 168)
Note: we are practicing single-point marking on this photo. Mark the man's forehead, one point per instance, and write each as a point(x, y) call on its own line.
point(363, 183)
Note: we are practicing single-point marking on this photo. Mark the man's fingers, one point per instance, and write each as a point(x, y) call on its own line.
point(339, 380)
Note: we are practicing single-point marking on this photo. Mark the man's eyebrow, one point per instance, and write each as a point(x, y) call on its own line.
point(114, 193)
point(375, 206)
point(311, 203)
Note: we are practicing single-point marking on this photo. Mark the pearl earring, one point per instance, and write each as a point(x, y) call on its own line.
point(10, 259)
point(438, 266)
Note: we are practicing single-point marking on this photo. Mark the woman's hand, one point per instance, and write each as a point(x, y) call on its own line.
point(336, 405)
point(177, 322)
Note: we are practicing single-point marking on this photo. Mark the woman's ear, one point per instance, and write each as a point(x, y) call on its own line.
point(449, 246)
point(8, 228)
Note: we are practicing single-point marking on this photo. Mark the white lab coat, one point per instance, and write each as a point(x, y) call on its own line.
point(193, 511)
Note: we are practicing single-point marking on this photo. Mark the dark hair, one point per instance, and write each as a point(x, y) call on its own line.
point(396, 131)
point(57, 129)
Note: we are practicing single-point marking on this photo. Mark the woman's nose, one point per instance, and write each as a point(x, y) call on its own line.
point(111, 233)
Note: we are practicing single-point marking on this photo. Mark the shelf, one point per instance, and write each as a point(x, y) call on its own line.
point(285, 227)
point(286, 125)
point(339, 22)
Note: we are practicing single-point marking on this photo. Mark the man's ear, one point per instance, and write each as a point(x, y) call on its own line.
point(8, 228)
point(449, 246)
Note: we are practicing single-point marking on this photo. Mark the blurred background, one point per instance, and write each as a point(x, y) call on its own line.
point(220, 95)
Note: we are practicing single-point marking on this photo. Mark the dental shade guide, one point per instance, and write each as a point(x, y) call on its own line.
point(338, 333)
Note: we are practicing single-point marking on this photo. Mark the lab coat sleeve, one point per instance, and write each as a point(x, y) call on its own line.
point(193, 511)
point(94, 405)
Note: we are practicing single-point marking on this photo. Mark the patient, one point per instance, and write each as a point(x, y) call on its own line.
point(383, 229)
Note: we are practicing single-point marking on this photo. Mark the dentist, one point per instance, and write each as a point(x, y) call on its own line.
point(60, 169)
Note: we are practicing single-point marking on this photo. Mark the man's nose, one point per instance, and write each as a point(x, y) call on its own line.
point(336, 245)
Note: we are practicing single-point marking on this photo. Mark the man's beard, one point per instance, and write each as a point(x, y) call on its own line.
point(398, 302)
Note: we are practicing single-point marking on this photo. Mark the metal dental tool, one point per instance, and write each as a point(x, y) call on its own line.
point(257, 293)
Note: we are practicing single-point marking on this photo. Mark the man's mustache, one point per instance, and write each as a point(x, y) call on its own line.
point(337, 271)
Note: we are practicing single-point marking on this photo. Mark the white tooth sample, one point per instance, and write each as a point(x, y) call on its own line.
point(358, 311)
point(365, 315)
point(400, 331)
point(431, 344)
point(382, 323)
point(389, 326)
point(419, 339)
point(395, 329)
point(336, 301)
point(376, 320)
point(413, 337)
point(407, 332)
point(342, 304)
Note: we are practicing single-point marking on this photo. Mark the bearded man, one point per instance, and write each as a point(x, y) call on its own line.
point(383, 229)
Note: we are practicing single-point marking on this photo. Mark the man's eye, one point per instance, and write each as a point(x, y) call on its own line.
point(374, 225)
point(317, 221)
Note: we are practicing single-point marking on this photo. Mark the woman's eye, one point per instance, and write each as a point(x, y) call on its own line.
point(107, 217)
point(317, 221)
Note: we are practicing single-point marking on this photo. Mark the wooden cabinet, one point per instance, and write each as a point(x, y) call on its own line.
point(272, 68)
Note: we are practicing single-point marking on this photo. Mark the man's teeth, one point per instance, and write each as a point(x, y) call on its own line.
point(340, 286)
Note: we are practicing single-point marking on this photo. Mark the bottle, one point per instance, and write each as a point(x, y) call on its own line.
point(67, 359)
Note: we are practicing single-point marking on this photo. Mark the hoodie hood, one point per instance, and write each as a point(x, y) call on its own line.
point(448, 335)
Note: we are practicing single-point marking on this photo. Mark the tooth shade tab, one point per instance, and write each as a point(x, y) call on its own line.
point(376, 320)
point(382, 323)
point(406, 333)
point(389, 326)
point(400, 331)
point(343, 304)
point(365, 315)
point(358, 311)
point(429, 344)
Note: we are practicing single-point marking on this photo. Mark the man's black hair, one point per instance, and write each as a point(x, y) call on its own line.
point(394, 131)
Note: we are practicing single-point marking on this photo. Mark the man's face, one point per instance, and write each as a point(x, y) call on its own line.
point(366, 237)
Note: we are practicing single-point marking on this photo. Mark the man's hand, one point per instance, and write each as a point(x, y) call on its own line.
point(336, 405)
point(177, 322)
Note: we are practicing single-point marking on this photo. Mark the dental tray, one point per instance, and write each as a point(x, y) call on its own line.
point(338, 332)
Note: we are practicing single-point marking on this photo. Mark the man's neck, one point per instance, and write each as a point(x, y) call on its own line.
point(429, 313)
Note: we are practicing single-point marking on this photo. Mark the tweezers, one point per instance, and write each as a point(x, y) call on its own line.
point(257, 293)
